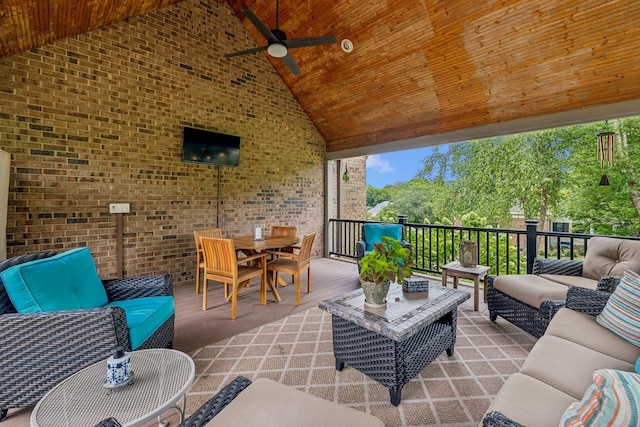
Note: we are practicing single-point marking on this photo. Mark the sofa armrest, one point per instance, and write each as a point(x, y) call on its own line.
point(550, 307)
point(608, 283)
point(585, 300)
point(42, 349)
point(497, 419)
point(405, 244)
point(557, 266)
point(206, 412)
point(138, 287)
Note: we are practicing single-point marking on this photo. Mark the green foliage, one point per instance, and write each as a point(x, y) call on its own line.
point(378, 195)
point(388, 261)
point(612, 209)
point(552, 173)
point(492, 176)
point(409, 198)
point(388, 214)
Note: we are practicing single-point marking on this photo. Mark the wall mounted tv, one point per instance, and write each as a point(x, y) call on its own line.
point(212, 148)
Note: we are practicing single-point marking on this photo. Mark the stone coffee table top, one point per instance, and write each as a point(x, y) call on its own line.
point(404, 314)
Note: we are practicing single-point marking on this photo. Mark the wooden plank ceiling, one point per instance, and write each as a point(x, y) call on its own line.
point(418, 68)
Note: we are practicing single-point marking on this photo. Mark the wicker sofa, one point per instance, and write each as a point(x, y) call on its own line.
point(40, 349)
point(561, 365)
point(530, 301)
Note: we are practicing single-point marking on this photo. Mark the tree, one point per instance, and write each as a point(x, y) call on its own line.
point(413, 199)
point(612, 209)
point(492, 176)
point(377, 195)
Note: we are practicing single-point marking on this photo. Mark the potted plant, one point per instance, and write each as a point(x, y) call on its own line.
point(387, 262)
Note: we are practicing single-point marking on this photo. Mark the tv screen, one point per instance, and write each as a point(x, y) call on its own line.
point(202, 146)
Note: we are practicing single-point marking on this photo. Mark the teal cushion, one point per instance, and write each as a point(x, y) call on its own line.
point(144, 316)
point(66, 281)
point(373, 233)
point(621, 313)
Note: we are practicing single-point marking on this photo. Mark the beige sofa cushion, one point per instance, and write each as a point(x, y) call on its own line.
point(530, 289)
point(268, 403)
point(566, 365)
point(583, 329)
point(583, 282)
point(607, 256)
point(531, 402)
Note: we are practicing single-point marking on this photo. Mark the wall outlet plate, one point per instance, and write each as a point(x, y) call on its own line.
point(119, 207)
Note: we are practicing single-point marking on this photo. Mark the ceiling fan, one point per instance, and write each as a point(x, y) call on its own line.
point(277, 44)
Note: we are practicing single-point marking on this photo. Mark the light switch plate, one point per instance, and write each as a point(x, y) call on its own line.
point(119, 207)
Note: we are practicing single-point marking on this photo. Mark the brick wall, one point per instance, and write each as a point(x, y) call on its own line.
point(98, 118)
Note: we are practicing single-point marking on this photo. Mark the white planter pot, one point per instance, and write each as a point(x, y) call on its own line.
point(375, 296)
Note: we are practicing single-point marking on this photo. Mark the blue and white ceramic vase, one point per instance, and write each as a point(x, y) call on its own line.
point(118, 367)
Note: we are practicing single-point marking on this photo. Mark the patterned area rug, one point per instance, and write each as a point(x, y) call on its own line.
point(297, 351)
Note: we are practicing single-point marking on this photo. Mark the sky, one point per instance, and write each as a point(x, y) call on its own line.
point(392, 168)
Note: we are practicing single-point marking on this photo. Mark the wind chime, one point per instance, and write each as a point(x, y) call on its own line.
point(605, 152)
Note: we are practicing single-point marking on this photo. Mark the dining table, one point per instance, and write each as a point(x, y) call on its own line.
point(250, 245)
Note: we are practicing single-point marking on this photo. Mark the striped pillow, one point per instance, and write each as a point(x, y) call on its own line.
point(621, 313)
point(612, 400)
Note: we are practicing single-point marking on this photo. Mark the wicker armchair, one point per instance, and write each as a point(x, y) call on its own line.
point(530, 301)
point(41, 349)
point(535, 320)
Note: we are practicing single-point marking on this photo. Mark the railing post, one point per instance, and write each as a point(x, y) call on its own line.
point(532, 242)
point(402, 219)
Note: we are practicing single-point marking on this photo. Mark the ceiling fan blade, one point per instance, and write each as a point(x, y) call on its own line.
point(246, 52)
point(310, 41)
point(264, 30)
point(291, 63)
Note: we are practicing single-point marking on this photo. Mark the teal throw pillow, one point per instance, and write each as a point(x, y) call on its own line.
point(373, 233)
point(66, 281)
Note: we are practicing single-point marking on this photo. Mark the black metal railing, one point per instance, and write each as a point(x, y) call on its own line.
point(505, 251)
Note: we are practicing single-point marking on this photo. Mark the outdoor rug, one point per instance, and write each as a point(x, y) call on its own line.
point(298, 351)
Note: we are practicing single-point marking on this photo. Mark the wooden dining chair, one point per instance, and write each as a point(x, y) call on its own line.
point(207, 232)
point(283, 230)
point(294, 264)
point(222, 265)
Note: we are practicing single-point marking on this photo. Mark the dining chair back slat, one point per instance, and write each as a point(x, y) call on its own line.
point(220, 257)
point(282, 230)
point(304, 256)
point(206, 232)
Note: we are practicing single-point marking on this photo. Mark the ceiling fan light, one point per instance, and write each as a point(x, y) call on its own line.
point(277, 50)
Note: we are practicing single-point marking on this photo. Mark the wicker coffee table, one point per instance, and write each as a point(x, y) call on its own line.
point(162, 378)
point(393, 344)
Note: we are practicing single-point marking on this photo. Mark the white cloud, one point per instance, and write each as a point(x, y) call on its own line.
point(376, 162)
